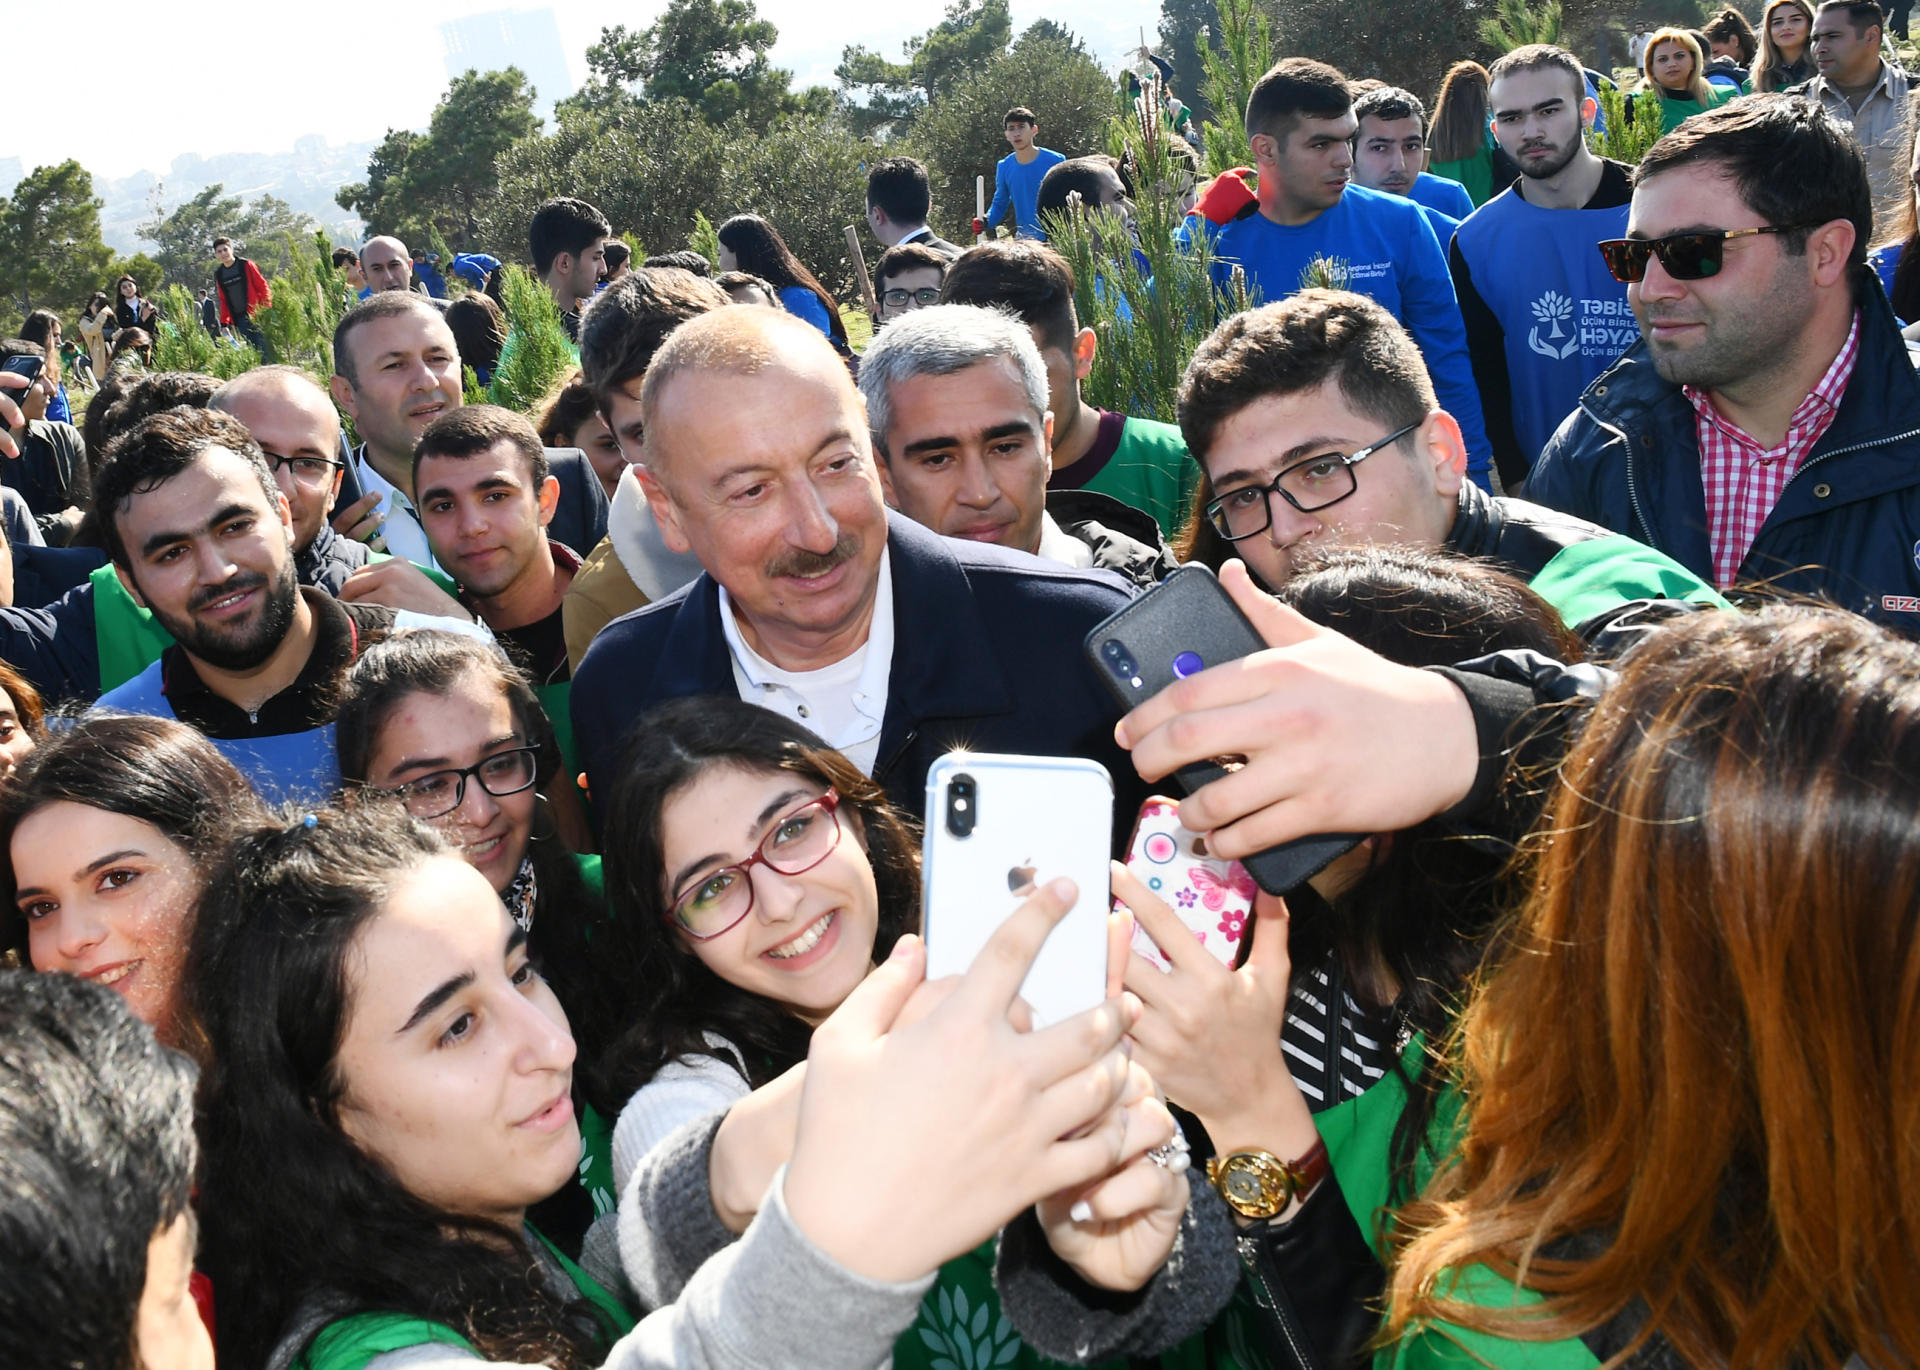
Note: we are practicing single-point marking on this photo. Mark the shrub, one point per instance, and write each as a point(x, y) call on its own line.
point(960, 135)
point(536, 353)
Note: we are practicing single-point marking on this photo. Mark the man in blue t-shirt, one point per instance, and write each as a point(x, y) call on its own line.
point(1016, 180)
point(1544, 315)
point(1301, 126)
point(1390, 153)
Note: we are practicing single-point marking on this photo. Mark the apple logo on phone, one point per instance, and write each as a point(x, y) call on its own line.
point(1020, 879)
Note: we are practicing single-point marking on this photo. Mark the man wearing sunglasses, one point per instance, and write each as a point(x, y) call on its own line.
point(1543, 314)
point(1767, 427)
point(1315, 424)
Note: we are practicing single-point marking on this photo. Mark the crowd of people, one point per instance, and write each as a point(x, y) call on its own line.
point(463, 866)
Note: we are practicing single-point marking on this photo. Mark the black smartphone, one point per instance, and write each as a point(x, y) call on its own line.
point(22, 365)
point(1180, 627)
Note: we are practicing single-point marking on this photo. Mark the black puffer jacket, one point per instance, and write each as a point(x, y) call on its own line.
point(1123, 540)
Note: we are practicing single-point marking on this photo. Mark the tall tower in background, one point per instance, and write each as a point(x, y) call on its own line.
point(527, 39)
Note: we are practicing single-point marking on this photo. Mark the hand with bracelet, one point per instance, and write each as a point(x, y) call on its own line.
point(1210, 1036)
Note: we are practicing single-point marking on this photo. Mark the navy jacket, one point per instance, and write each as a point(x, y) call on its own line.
point(986, 655)
point(1847, 526)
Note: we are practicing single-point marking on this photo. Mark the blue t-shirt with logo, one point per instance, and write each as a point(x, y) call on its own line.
point(1563, 317)
point(1383, 246)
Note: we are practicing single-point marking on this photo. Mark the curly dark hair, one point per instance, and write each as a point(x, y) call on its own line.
point(669, 748)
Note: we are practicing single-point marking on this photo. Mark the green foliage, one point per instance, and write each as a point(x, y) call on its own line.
point(183, 238)
point(1633, 126)
point(877, 96)
point(1408, 43)
point(1148, 321)
point(959, 136)
point(1242, 51)
point(183, 345)
point(537, 352)
point(422, 184)
point(309, 297)
point(972, 34)
point(657, 167)
point(1516, 23)
point(50, 250)
point(713, 54)
point(704, 238)
point(1185, 25)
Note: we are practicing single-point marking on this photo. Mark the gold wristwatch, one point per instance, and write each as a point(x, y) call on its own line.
point(1257, 1184)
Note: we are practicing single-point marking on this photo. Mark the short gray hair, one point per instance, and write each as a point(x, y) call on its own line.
point(938, 341)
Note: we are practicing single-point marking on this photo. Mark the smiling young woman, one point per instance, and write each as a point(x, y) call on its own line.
point(109, 827)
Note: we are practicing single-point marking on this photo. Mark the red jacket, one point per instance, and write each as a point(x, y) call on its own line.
point(258, 296)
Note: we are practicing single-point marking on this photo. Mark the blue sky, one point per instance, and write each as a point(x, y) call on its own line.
point(381, 67)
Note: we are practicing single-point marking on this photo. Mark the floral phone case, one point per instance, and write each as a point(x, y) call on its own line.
point(1212, 896)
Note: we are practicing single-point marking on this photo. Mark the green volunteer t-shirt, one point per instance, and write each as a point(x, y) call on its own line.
point(1140, 462)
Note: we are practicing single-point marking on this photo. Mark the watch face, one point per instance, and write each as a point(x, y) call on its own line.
point(1243, 1186)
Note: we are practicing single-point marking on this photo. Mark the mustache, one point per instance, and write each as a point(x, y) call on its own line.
point(798, 561)
point(243, 581)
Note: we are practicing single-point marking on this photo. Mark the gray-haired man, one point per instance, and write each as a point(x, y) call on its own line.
point(957, 401)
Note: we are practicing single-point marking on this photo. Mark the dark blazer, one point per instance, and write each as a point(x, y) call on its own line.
point(986, 655)
point(936, 242)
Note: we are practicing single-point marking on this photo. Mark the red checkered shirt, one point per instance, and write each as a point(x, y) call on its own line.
point(1743, 480)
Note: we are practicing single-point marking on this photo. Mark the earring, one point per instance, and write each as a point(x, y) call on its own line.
point(543, 813)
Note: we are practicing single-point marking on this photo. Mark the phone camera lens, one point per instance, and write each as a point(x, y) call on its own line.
point(1111, 650)
point(961, 812)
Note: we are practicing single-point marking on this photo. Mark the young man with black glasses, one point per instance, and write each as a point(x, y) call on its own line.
point(907, 278)
point(1315, 424)
point(1766, 428)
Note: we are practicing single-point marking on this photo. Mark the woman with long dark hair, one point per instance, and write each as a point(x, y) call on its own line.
point(390, 1093)
point(109, 828)
point(749, 243)
point(1689, 1136)
point(742, 964)
point(447, 725)
point(1324, 1031)
point(43, 326)
point(131, 310)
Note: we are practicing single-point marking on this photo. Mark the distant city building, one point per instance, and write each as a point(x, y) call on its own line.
point(527, 39)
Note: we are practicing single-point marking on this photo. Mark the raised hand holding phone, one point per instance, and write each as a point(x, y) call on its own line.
point(917, 1143)
point(1333, 737)
point(1211, 895)
point(1210, 1036)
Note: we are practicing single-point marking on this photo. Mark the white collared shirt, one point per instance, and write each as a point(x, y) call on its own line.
point(399, 525)
point(844, 703)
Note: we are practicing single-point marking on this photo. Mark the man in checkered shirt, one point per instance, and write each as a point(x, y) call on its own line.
point(1765, 430)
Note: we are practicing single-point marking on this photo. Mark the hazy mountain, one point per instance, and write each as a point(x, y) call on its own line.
point(305, 178)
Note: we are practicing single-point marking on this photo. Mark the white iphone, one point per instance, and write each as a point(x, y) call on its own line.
point(997, 828)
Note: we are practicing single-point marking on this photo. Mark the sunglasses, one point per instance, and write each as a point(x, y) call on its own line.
point(1684, 256)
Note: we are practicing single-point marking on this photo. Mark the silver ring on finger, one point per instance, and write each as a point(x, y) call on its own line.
point(1173, 1154)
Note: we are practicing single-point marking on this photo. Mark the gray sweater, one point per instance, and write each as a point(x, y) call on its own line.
point(668, 1227)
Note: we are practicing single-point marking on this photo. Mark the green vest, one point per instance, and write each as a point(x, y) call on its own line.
point(349, 1343)
point(1599, 575)
point(1359, 1137)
